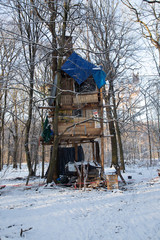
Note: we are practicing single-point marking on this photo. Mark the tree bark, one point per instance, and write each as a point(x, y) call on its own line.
point(53, 166)
point(28, 125)
point(149, 135)
point(113, 138)
point(111, 126)
point(118, 132)
point(0, 137)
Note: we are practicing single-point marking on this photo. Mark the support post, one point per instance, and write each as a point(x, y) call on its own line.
point(102, 134)
point(93, 151)
point(76, 152)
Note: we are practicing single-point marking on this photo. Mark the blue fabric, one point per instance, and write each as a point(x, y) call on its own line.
point(77, 68)
point(99, 77)
point(80, 69)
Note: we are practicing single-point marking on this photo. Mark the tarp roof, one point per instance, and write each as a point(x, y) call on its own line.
point(80, 69)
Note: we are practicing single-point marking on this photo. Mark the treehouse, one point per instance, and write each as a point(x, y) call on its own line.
point(80, 118)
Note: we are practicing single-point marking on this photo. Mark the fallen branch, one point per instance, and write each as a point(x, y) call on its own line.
point(25, 230)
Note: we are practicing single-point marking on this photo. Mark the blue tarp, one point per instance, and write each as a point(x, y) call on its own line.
point(99, 77)
point(80, 69)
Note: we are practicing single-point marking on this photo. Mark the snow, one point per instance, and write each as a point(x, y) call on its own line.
point(110, 171)
point(40, 212)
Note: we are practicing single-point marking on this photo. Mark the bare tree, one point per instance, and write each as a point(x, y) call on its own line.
point(29, 35)
point(147, 15)
point(8, 57)
point(60, 21)
point(111, 47)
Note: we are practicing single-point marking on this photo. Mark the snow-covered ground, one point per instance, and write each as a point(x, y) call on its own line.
point(36, 212)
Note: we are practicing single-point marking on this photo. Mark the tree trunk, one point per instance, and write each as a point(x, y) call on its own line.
point(21, 153)
point(15, 153)
point(120, 147)
point(0, 151)
point(43, 160)
point(113, 138)
point(28, 124)
point(0, 131)
point(27, 151)
point(111, 126)
point(9, 152)
point(118, 133)
point(149, 135)
point(53, 166)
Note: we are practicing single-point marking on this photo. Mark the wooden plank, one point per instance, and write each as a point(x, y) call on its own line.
point(66, 100)
point(74, 107)
point(76, 152)
point(51, 107)
point(79, 139)
point(80, 131)
point(71, 123)
point(85, 98)
point(93, 151)
point(102, 132)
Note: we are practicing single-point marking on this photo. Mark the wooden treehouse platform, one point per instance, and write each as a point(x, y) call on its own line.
point(81, 113)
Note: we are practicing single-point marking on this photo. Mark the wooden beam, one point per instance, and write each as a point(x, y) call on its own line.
point(76, 152)
point(49, 107)
point(93, 143)
point(75, 107)
point(102, 132)
point(98, 159)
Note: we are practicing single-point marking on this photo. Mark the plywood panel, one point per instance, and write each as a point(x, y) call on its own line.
point(112, 181)
point(66, 100)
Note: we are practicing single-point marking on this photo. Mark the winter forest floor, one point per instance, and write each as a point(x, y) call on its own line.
point(37, 212)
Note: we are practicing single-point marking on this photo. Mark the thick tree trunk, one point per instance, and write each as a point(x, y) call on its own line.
point(28, 125)
point(27, 151)
point(53, 166)
point(118, 133)
point(120, 148)
point(53, 173)
point(113, 138)
point(111, 126)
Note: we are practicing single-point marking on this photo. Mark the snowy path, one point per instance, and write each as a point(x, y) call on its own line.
point(64, 214)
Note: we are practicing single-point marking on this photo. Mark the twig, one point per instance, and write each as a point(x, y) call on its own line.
point(25, 230)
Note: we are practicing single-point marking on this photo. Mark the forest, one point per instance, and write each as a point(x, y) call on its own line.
point(122, 37)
